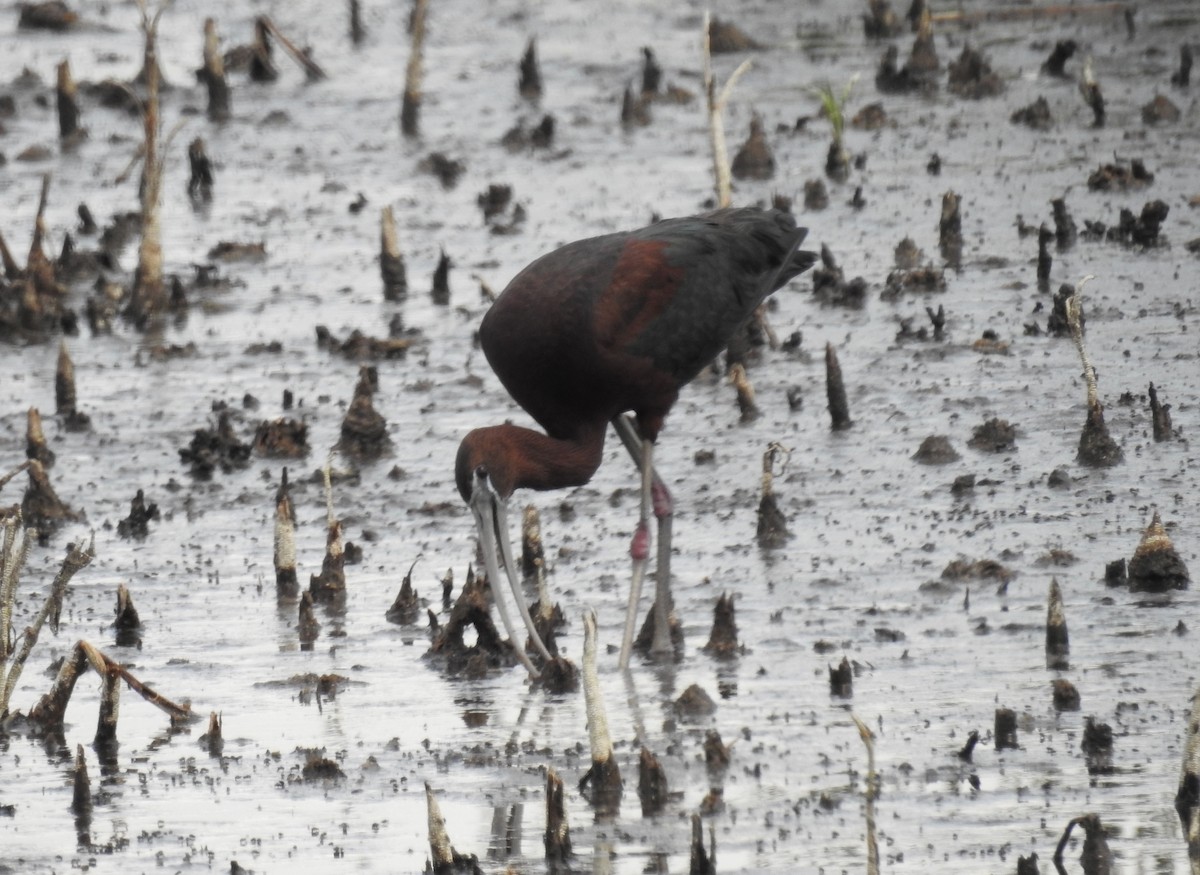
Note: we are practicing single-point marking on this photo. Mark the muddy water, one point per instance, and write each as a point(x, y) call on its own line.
point(871, 528)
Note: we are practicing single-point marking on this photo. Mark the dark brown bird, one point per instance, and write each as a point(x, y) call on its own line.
point(598, 329)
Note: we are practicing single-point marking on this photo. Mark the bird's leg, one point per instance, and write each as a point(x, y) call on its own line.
point(639, 551)
point(654, 494)
point(491, 519)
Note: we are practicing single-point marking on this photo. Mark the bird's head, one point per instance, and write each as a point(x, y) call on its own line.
point(483, 451)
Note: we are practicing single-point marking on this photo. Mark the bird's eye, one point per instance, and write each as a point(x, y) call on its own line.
point(481, 471)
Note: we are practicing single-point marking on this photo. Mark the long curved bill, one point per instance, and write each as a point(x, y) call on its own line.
point(491, 519)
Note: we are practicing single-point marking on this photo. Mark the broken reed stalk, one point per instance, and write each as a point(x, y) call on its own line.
point(444, 858)
point(11, 474)
point(64, 382)
point(1160, 416)
point(1096, 857)
point(148, 296)
point(391, 260)
point(312, 70)
point(330, 584)
point(1058, 645)
point(1075, 323)
point(13, 560)
point(37, 257)
point(51, 708)
point(286, 583)
point(81, 795)
point(533, 556)
point(870, 795)
point(747, 406)
point(835, 391)
point(1187, 799)
point(440, 848)
point(67, 103)
point(214, 73)
point(410, 107)
point(716, 127)
point(1096, 447)
point(214, 739)
point(652, 783)
point(12, 270)
point(772, 524)
point(35, 439)
point(110, 707)
point(357, 32)
point(558, 831)
point(702, 862)
point(604, 775)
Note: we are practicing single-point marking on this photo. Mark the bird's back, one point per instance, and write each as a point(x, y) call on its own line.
point(621, 322)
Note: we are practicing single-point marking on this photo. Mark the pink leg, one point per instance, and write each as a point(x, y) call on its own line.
point(654, 495)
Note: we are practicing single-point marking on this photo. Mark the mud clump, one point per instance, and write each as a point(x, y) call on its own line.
point(1057, 324)
point(950, 239)
point(364, 434)
point(726, 37)
point(871, 117)
point(936, 450)
point(1140, 230)
point(880, 22)
point(1097, 747)
point(816, 196)
point(723, 641)
point(1064, 695)
point(137, 524)
point(1036, 116)
point(754, 160)
point(1097, 449)
point(282, 438)
point(1156, 566)
point(971, 76)
point(211, 449)
point(831, 286)
point(1160, 110)
point(1065, 231)
point(42, 508)
point(471, 609)
point(360, 347)
point(841, 680)
point(447, 170)
point(980, 569)
point(320, 768)
point(994, 436)
point(907, 254)
point(1064, 50)
point(891, 78)
point(694, 705)
point(1120, 177)
point(1006, 729)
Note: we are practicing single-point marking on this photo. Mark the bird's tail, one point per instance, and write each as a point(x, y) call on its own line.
point(794, 263)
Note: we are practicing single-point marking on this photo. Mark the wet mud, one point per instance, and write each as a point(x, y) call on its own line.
point(914, 530)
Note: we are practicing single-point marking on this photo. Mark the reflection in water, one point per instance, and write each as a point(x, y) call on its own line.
point(507, 825)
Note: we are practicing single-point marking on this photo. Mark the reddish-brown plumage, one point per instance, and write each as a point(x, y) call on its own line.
point(615, 324)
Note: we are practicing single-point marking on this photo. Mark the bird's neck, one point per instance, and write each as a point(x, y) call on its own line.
point(521, 458)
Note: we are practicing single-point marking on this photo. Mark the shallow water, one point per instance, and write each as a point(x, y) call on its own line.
point(870, 525)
